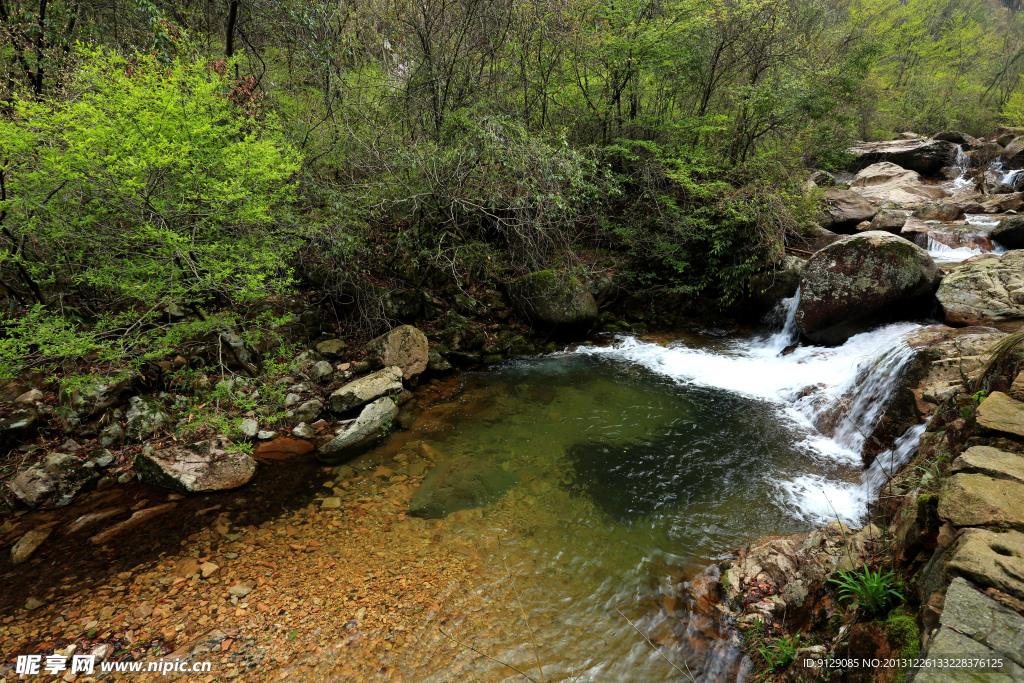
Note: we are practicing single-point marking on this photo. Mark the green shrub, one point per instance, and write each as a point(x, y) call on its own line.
point(871, 590)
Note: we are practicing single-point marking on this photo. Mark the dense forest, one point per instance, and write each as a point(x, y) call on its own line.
point(197, 157)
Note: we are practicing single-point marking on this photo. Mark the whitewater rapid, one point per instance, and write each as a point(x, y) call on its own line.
point(805, 385)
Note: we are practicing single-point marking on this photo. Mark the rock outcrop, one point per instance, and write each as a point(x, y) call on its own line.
point(210, 465)
point(859, 280)
point(924, 155)
point(554, 301)
point(845, 209)
point(984, 289)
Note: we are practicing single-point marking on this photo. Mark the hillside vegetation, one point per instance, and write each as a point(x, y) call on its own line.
point(165, 164)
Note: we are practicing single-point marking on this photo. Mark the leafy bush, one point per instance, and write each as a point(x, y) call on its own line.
point(148, 185)
point(871, 590)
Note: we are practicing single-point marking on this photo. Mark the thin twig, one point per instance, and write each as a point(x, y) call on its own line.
point(658, 649)
point(484, 654)
point(536, 650)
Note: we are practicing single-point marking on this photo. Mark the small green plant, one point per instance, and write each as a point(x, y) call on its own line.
point(871, 590)
point(780, 653)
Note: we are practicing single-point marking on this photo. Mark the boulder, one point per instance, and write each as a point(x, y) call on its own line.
point(980, 500)
point(18, 424)
point(96, 393)
point(459, 484)
point(1010, 232)
point(989, 558)
point(54, 482)
point(923, 155)
point(404, 347)
point(939, 211)
point(984, 290)
point(889, 220)
point(822, 179)
point(814, 237)
point(958, 138)
point(307, 411)
point(366, 389)
point(554, 301)
point(373, 423)
point(884, 173)
point(1001, 414)
point(1011, 156)
point(210, 465)
point(1003, 202)
point(143, 419)
point(845, 210)
point(282, 448)
point(332, 348)
point(859, 280)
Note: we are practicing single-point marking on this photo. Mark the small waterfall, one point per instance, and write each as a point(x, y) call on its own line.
point(887, 463)
point(963, 162)
point(834, 396)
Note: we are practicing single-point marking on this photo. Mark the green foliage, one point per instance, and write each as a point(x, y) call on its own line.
point(779, 653)
point(147, 186)
point(871, 590)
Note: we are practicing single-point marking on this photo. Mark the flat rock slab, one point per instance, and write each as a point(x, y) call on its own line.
point(989, 558)
point(980, 500)
point(94, 518)
point(459, 484)
point(991, 462)
point(948, 644)
point(1000, 413)
point(367, 389)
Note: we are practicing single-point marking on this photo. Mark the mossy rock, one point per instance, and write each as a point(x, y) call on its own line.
point(554, 301)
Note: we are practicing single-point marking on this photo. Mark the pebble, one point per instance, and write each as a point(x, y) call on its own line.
point(332, 503)
point(239, 590)
point(208, 569)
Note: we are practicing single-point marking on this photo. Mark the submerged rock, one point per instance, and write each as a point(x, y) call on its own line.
point(208, 465)
point(372, 424)
point(984, 289)
point(54, 482)
point(28, 544)
point(459, 485)
point(404, 347)
point(860, 280)
point(553, 300)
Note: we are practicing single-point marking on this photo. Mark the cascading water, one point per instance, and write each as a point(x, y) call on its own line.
point(833, 396)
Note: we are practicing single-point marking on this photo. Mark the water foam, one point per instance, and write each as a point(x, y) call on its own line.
point(834, 396)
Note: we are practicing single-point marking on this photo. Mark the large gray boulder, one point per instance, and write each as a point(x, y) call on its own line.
point(210, 465)
point(366, 389)
point(459, 484)
point(404, 347)
point(927, 157)
point(1012, 156)
point(53, 482)
point(859, 280)
point(845, 209)
point(985, 290)
point(555, 301)
point(1010, 232)
point(373, 423)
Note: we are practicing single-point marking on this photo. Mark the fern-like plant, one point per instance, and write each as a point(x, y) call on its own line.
point(780, 653)
point(871, 590)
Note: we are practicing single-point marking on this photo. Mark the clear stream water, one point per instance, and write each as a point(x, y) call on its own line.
point(642, 462)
